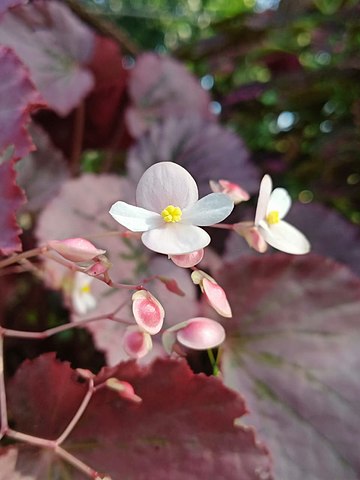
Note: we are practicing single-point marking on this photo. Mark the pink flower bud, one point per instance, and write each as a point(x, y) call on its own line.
point(188, 260)
point(252, 235)
point(214, 294)
point(99, 267)
point(148, 311)
point(75, 249)
point(124, 389)
point(198, 333)
point(232, 190)
point(136, 342)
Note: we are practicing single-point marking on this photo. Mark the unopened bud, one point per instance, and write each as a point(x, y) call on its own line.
point(136, 342)
point(75, 249)
point(236, 193)
point(124, 389)
point(148, 311)
point(199, 333)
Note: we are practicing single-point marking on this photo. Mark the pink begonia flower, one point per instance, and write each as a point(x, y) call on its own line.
point(232, 190)
point(169, 211)
point(199, 333)
point(136, 342)
point(214, 294)
point(272, 207)
point(189, 259)
point(251, 235)
point(148, 311)
point(82, 299)
point(75, 249)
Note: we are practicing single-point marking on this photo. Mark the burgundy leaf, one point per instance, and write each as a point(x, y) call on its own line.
point(6, 4)
point(50, 412)
point(184, 427)
point(42, 172)
point(160, 87)
point(11, 198)
point(56, 46)
point(292, 350)
point(17, 98)
point(207, 150)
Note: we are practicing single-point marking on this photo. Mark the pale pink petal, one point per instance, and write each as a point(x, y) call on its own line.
point(285, 237)
point(136, 342)
point(201, 333)
point(216, 297)
point(176, 239)
point(148, 311)
point(134, 218)
point(164, 184)
point(252, 235)
point(188, 260)
point(75, 249)
point(263, 200)
point(209, 210)
point(280, 201)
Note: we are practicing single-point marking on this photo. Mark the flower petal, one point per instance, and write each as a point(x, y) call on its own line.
point(201, 333)
point(263, 200)
point(134, 218)
point(285, 237)
point(189, 259)
point(279, 201)
point(209, 210)
point(176, 239)
point(166, 183)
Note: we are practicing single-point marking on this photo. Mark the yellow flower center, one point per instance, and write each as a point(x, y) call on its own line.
point(273, 217)
point(171, 214)
point(85, 288)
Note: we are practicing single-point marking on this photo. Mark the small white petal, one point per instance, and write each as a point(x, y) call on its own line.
point(285, 237)
point(280, 201)
point(263, 200)
point(166, 183)
point(176, 239)
point(209, 210)
point(134, 218)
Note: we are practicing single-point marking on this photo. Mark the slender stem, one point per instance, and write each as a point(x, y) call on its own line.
point(223, 226)
point(50, 444)
point(78, 135)
point(78, 414)
point(3, 407)
point(61, 328)
point(213, 362)
point(20, 256)
point(24, 437)
point(78, 464)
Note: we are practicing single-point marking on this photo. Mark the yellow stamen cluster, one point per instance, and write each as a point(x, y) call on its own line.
point(85, 288)
point(171, 214)
point(273, 217)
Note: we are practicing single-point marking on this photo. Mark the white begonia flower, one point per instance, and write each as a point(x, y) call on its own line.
point(169, 211)
point(82, 299)
point(271, 208)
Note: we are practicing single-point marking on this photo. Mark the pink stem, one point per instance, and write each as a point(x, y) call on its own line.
point(61, 328)
point(223, 226)
point(20, 256)
point(3, 407)
point(78, 414)
point(78, 464)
